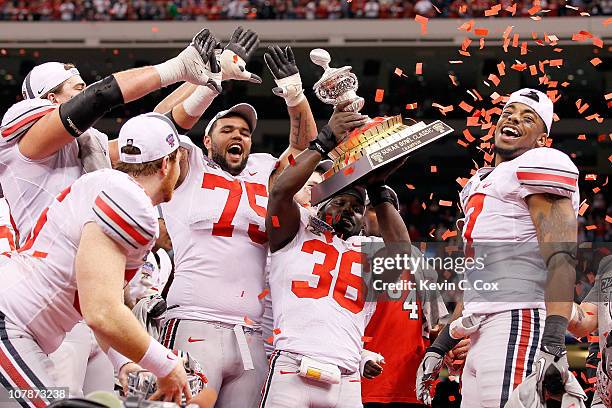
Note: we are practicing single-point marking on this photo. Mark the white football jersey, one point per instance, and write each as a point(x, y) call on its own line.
point(30, 185)
point(39, 290)
point(217, 225)
point(499, 231)
point(318, 296)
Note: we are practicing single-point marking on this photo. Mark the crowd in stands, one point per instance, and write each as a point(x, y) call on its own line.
point(104, 10)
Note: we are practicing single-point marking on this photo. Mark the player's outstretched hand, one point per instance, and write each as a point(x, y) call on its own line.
point(194, 64)
point(284, 69)
point(173, 386)
point(237, 53)
point(427, 374)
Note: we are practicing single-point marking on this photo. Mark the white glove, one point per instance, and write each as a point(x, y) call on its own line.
point(237, 53)
point(193, 64)
point(428, 372)
point(290, 88)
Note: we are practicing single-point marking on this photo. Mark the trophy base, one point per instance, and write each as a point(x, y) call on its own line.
point(382, 142)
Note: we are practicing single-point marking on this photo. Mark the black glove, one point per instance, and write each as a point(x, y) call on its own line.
point(243, 43)
point(281, 64)
point(205, 43)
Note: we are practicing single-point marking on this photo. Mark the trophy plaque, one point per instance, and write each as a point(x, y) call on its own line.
point(379, 142)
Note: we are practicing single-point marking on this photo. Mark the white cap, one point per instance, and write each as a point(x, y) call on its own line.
point(44, 77)
point(245, 110)
point(536, 100)
point(154, 134)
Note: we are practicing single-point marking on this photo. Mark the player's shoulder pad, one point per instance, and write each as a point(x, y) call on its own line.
point(22, 116)
point(124, 211)
point(547, 170)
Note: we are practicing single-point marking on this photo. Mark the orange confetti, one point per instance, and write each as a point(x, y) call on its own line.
point(482, 32)
point(523, 48)
point(445, 203)
point(583, 209)
point(556, 62)
point(276, 331)
point(582, 137)
point(275, 222)
point(595, 61)
point(453, 79)
point(248, 321)
point(433, 169)
point(410, 186)
point(511, 9)
point(270, 340)
point(380, 93)
point(493, 11)
point(519, 67)
point(468, 135)
point(534, 10)
point(465, 106)
point(494, 78)
point(607, 21)
point(423, 21)
point(590, 227)
point(398, 72)
point(467, 26)
point(482, 43)
point(448, 234)
point(462, 143)
point(235, 59)
point(410, 106)
point(419, 68)
point(608, 219)
point(451, 398)
point(501, 68)
point(608, 96)
point(533, 70)
point(263, 293)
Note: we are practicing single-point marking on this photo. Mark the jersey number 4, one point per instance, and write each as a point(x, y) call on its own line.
point(323, 270)
point(224, 227)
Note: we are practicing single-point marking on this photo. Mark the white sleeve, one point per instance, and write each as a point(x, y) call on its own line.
point(126, 216)
point(546, 170)
point(21, 117)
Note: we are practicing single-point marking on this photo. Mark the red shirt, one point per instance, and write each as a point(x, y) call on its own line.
point(396, 332)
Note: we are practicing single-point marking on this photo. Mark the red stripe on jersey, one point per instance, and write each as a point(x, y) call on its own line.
point(117, 219)
point(528, 175)
point(8, 131)
point(6, 233)
point(20, 381)
point(519, 369)
point(476, 202)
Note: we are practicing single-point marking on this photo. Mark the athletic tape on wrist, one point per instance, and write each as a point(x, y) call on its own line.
point(292, 89)
point(197, 103)
point(158, 359)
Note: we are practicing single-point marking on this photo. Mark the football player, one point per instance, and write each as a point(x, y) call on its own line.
point(520, 216)
point(316, 281)
point(86, 245)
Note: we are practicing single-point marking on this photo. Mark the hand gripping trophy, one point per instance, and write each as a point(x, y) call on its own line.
point(379, 142)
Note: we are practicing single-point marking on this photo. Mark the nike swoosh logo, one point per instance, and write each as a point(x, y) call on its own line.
point(541, 367)
point(41, 89)
point(252, 174)
point(191, 340)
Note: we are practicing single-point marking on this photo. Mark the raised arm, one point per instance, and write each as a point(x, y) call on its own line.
point(60, 126)
point(283, 67)
point(188, 103)
point(283, 215)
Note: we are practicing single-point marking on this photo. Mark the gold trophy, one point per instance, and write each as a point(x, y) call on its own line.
point(379, 142)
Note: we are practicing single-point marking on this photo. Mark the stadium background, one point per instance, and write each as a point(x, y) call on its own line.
point(384, 51)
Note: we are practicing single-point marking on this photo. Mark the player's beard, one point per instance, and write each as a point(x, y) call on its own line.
point(222, 162)
point(505, 154)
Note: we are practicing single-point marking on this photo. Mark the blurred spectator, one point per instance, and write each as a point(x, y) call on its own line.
point(105, 10)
